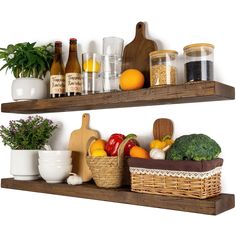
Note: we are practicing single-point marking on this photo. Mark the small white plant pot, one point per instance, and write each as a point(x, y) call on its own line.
point(28, 89)
point(24, 164)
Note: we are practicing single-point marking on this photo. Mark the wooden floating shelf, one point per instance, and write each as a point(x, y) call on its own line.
point(185, 93)
point(211, 206)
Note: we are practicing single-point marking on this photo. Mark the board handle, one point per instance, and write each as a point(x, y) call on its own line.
point(85, 121)
point(140, 30)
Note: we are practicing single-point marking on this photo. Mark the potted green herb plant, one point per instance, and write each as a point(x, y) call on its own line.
point(29, 64)
point(25, 137)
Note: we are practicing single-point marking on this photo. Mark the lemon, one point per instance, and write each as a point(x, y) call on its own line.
point(91, 66)
point(99, 153)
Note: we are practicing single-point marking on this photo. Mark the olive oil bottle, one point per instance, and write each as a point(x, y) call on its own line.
point(57, 73)
point(73, 71)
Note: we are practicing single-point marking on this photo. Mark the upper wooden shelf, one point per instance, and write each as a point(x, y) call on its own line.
point(184, 93)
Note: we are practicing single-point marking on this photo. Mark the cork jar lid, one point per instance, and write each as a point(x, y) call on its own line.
point(198, 48)
point(163, 54)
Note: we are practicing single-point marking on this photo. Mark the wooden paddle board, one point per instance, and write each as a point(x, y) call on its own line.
point(136, 53)
point(79, 145)
point(162, 127)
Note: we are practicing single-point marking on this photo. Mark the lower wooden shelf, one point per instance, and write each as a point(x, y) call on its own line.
point(211, 206)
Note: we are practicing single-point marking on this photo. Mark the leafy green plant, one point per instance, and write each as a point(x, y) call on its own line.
point(26, 59)
point(27, 134)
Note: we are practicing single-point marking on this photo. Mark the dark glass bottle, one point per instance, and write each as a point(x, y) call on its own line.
point(57, 73)
point(73, 71)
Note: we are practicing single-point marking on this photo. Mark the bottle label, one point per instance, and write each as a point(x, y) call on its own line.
point(73, 83)
point(57, 84)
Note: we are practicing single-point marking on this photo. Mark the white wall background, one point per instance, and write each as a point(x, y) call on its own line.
point(173, 24)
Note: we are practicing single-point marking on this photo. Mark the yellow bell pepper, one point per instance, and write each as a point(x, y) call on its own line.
point(161, 144)
point(156, 143)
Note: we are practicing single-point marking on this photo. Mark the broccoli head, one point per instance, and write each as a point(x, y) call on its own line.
point(195, 147)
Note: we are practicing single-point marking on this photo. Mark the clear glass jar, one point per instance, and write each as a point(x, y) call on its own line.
point(199, 60)
point(163, 69)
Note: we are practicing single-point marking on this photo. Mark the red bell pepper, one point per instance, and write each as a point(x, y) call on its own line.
point(113, 144)
point(129, 145)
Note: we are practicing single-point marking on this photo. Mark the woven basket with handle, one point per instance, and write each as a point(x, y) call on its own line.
point(108, 171)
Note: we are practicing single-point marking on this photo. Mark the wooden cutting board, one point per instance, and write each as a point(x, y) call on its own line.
point(79, 144)
point(136, 53)
point(162, 127)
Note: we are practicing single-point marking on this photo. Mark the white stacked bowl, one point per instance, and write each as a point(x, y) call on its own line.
point(55, 166)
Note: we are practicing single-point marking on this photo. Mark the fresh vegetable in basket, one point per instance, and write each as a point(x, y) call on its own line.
point(161, 144)
point(97, 144)
point(113, 144)
point(131, 143)
point(98, 153)
point(157, 154)
point(97, 148)
point(139, 152)
point(195, 147)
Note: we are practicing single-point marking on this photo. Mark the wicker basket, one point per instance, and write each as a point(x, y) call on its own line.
point(109, 172)
point(194, 179)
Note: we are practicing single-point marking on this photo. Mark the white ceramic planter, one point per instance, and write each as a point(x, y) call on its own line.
point(28, 89)
point(24, 164)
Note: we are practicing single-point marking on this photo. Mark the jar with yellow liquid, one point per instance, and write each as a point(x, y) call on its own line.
point(92, 83)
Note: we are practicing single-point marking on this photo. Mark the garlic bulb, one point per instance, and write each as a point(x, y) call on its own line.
point(157, 154)
point(74, 179)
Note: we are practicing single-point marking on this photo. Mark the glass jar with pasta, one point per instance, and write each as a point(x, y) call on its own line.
point(163, 69)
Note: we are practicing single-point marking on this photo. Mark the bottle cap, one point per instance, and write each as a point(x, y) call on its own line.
point(73, 39)
point(58, 43)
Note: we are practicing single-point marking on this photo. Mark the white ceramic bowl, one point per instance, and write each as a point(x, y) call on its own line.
point(55, 161)
point(54, 164)
point(54, 173)
point(53, 156)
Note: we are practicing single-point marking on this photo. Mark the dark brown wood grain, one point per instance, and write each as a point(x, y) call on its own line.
point(136, 53)
point(211, 206)
point(170, 94)
point(162, 127)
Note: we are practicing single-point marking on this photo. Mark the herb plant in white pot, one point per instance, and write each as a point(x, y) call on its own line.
point(29, 64)
point(25, 137)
